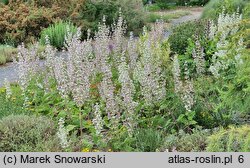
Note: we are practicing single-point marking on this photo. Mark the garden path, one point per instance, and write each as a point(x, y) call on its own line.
point(8, 70)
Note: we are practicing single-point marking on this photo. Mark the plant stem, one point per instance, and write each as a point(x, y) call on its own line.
point(80, 117)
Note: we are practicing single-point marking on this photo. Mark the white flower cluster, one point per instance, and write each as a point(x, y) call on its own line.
point(8, 89)
point(97, 120)
point(199, 57)
point(62, 134)
point(239, 49)
point(106, 87)
point(118, 39)
point(132, 52)
point(184, 89)
point(227, 25)
point(79, 67)
point(127, 92)
point(27, 65)
point(60, 74)
point(149, 72)
point(98, 58)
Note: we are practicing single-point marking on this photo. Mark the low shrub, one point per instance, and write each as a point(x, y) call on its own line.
point(215, 7)
point(180, 34)
point(234, 139)
point(21, 133)
point(187, 142)
point(56, 33)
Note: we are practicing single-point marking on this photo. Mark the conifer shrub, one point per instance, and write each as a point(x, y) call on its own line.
point(234, 139)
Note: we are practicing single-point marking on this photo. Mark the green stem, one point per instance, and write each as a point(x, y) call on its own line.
point(81, 127)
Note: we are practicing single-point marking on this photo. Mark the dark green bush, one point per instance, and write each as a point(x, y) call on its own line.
point(57, 33)
point(179, 38)
point(192, 2)
point(23, 133)
point(5, 2)
point(215, 7)
point(234, 139)
point(93, 12)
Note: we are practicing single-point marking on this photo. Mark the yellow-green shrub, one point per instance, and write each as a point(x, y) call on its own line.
point(22, 133)
point(234, 139)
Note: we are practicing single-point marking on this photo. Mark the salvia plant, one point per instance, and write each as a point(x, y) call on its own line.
point(227, 25)
point(62, 134)
point(184, 89)
point(8, 89)
point(123, 72)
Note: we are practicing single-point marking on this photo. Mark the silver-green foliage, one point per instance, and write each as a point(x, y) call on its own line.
point(22, 133)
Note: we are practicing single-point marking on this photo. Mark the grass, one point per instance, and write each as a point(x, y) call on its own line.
point(7, 53)
point(159, 7)
point(154, 16)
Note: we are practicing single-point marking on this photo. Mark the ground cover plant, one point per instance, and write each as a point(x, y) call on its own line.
point(110, 92)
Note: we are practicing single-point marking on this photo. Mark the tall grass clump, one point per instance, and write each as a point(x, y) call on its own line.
point(56, 33)
point(2, 59)
point(8, 52)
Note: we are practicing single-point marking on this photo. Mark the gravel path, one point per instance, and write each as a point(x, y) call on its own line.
point(195, 14)
point(8, 71)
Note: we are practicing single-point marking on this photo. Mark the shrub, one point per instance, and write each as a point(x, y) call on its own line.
point(234, 139)
point(187, 142)
point(215, 7)
point(93, 12)
point(180, 34)
point(23, 133)
point(57, 33)
point(22, 20)
point(5, 2)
